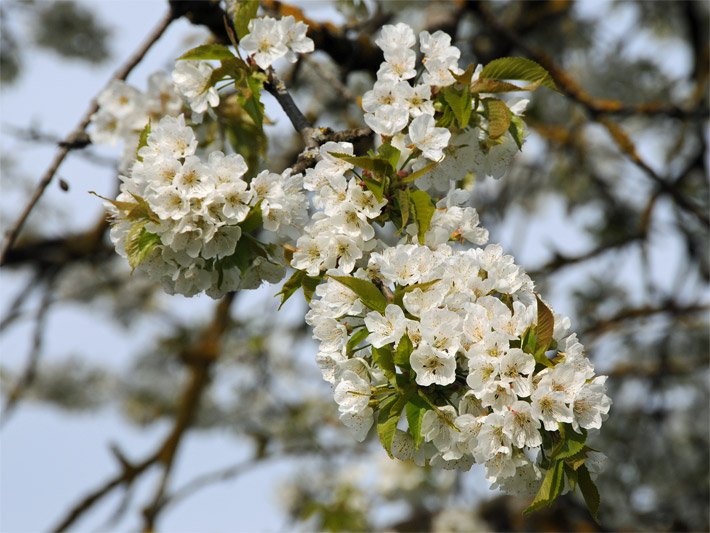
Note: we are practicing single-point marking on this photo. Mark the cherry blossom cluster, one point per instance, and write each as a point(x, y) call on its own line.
point(465, 154)
point(123, 111)
point(418, 322)
point(271, 39)
point(192, 208)
point(461, 317)
point(394, 104)
point(340, 231)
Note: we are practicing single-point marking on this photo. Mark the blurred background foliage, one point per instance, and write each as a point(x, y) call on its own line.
point(607, 208)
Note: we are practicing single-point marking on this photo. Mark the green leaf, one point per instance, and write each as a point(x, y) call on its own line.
point(232, 67)
point(465, 77)
point(550, 489)
point(517, 130)
point(578, 460)
point(589, 491)
point(141, 210)
point(291, 285)
point(498, 116)
point(380, 165)
point(138, 210)
point(367, 291)
point(403, 205)
point(375, 187)
point(244, 11)
point(309, 286)
point(484, 85)
point(390, 154)
point(544, 328)
point(125, 207)
point(415, 414)
point(249, 96)
point(423, 211)
point(387, 419)
point(245, 137)
point(423, 286)
point(459, 101)
point(207, 52)
point(246, 251)
point(528, 340)
point(571, 475)
point(139, 243)
point(253, 220)
point(356, 338)
point(572, 444)
point(143, 140)
point(518, 68)
point(403, 351)
point(419, 173)
point(384, 359)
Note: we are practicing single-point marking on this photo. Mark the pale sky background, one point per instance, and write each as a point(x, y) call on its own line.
point(48, 457)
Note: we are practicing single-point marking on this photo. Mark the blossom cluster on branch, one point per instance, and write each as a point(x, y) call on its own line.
point(425, 332)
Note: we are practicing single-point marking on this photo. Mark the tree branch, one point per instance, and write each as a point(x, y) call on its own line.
point(561, 261)
point(671, 308)
point(278, 90)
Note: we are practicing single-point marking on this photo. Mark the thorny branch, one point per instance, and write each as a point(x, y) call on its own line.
point(78, 138)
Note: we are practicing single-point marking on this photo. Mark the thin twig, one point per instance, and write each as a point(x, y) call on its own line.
point(318, 136)
point(210, 478)
point(77, 138)
point(560, 261)
point(34, 135)
point(125, 477)
point(278, 90)
point(199, 358)
point(29, 373)
point(13, 310)
point(671, 308)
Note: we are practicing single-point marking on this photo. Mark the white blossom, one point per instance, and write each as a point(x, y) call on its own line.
point(433, 366)
point(385, 329)
point(193, 80)
point(352, 393)
point(429, 139)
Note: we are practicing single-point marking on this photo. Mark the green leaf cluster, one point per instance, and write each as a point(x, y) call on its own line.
point(537, 340)
point(566, 460)
point(248, 82)
point(207, 52)
point(139, 243)
point(143, 140)
point(422, 208)
point(515, 68)
point(244, 11)
point(367, 291)
point(300, 280)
